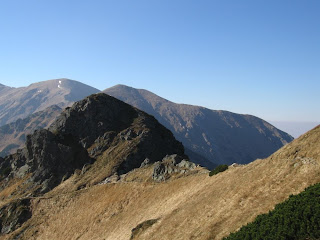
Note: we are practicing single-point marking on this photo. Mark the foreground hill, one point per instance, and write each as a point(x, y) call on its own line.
point(97, 137)
point(219, 137)
point(192, 206)
point(21, 102)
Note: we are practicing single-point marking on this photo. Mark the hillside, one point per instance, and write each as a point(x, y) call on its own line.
point(96, 138)
point(192, 206)
point(13, 135)
point(220, 137)
point(20, 102)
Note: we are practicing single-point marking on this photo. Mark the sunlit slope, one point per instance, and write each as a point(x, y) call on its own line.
point(192, 207)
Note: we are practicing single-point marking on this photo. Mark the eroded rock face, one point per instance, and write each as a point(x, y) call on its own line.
point(47, 158)
point(169, 165)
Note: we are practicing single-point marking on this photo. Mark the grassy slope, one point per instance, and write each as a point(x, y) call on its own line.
point(194, 207)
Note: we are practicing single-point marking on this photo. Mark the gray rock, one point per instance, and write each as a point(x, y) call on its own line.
point(172, 159)
point(159, 172)
point(169, 165)
point(145, 162)
point(186, 164)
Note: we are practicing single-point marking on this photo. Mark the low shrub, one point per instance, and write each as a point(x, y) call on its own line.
point(296, 218)
point(218, 169)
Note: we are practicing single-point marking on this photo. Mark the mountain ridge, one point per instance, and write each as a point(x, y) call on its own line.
point(210, 137)
point(205, 127)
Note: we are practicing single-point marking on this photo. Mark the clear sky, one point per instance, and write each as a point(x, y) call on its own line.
point(257, 57)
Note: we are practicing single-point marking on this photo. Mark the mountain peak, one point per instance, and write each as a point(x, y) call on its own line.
point(23, 101)
point(4, 87)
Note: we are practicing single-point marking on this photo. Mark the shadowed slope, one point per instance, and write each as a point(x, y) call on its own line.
point(218, 136)
point(13, 135)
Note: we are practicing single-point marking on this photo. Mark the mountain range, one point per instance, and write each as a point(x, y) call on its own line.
point(210, 137)
point(107, 170)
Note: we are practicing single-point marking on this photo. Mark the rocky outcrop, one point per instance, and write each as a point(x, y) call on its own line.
point(107, 124)
point(47, 158)
point(173, 164)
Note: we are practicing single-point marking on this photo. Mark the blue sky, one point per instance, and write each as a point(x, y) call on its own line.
point(256, 57)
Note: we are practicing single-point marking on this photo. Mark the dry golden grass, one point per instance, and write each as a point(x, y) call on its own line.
point(193, 207)
point(14, 190)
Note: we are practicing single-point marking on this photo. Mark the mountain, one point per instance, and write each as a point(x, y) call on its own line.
point(98, 127)
point(134, 206)
point(94, 139)
point(15, 133)
point(209, 136)
point(20, 102)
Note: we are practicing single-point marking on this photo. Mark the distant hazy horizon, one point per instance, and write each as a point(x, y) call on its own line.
point(295, 129)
